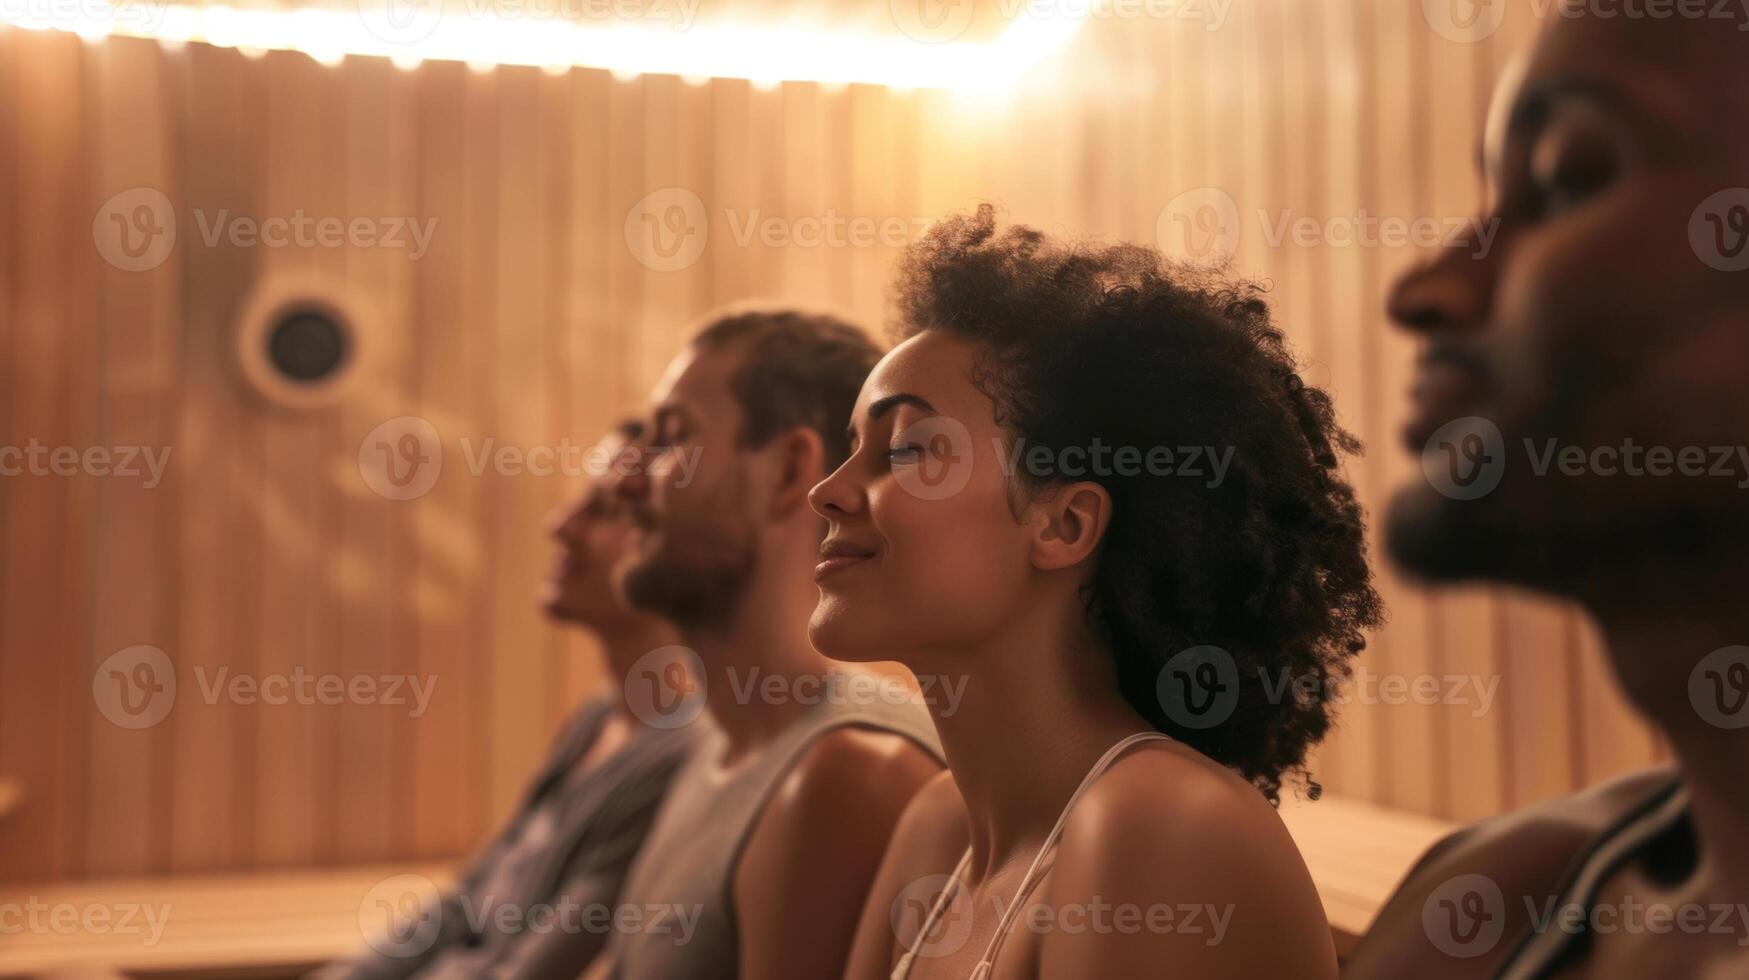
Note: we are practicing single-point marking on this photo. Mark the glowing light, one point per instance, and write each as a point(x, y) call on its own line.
point(765, 55)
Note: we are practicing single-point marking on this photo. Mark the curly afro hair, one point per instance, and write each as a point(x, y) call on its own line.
point(1114, 345)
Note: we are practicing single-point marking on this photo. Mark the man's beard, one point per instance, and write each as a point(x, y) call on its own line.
point(700, 569)
point(1550, 538)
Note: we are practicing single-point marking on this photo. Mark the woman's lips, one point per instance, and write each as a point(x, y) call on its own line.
point(827, 566)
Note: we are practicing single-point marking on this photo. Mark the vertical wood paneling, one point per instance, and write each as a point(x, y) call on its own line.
point(45, 567)
point(448, 547)
point(291, 765)
point(1404, 649)
point(368, 574)
point(520, 657)
point(531, 320)
point(136, 395)
point(219, 449)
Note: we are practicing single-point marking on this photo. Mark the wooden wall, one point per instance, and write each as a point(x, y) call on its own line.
point(530, 319)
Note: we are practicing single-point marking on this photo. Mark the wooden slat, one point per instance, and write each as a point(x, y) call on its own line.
point(45, 568)
point(520, 658)
point(137, 385)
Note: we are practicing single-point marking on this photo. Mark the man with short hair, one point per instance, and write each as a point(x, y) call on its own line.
point(762, 855)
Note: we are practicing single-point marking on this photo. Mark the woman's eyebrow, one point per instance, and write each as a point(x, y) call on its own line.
point(882, 406)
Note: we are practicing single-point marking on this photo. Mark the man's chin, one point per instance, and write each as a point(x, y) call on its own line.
point(1437, 539)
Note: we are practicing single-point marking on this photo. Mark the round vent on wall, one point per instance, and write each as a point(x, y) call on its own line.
point(299, 343)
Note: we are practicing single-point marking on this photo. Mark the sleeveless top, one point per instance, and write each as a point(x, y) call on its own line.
point(686, 872)
point(1545, 951)
point(568, 844)
point(902, 969)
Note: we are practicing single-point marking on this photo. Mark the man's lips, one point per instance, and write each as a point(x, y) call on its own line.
point(1444, 389)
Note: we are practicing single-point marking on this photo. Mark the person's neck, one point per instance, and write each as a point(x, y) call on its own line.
point(622, 643)
point(1657, 632)
point(1038, 706)
point(764, 637)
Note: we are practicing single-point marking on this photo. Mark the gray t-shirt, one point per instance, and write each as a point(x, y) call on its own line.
point(685, 874)
point(536, 903)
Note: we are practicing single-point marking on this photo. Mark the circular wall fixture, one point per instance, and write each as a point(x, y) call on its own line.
point(299, 342)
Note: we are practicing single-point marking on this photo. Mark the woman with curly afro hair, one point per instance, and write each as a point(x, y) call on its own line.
point(1094, 508)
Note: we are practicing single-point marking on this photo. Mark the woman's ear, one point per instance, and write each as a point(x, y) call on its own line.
point(800, 458)
point(1069, 523)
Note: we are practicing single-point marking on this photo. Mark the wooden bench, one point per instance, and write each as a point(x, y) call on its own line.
point(278, 924)
point(282, 924)
point(1358, 854)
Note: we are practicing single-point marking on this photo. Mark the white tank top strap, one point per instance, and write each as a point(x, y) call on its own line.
point(982, 971)
point(902, 969)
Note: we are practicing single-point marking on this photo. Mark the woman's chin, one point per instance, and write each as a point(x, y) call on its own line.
point(836, 636)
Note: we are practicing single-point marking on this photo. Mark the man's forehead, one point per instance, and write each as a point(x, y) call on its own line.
point(1682, 69)
point(696, 377)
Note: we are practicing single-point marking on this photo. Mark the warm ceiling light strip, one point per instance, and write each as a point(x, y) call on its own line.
point(408, 33)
